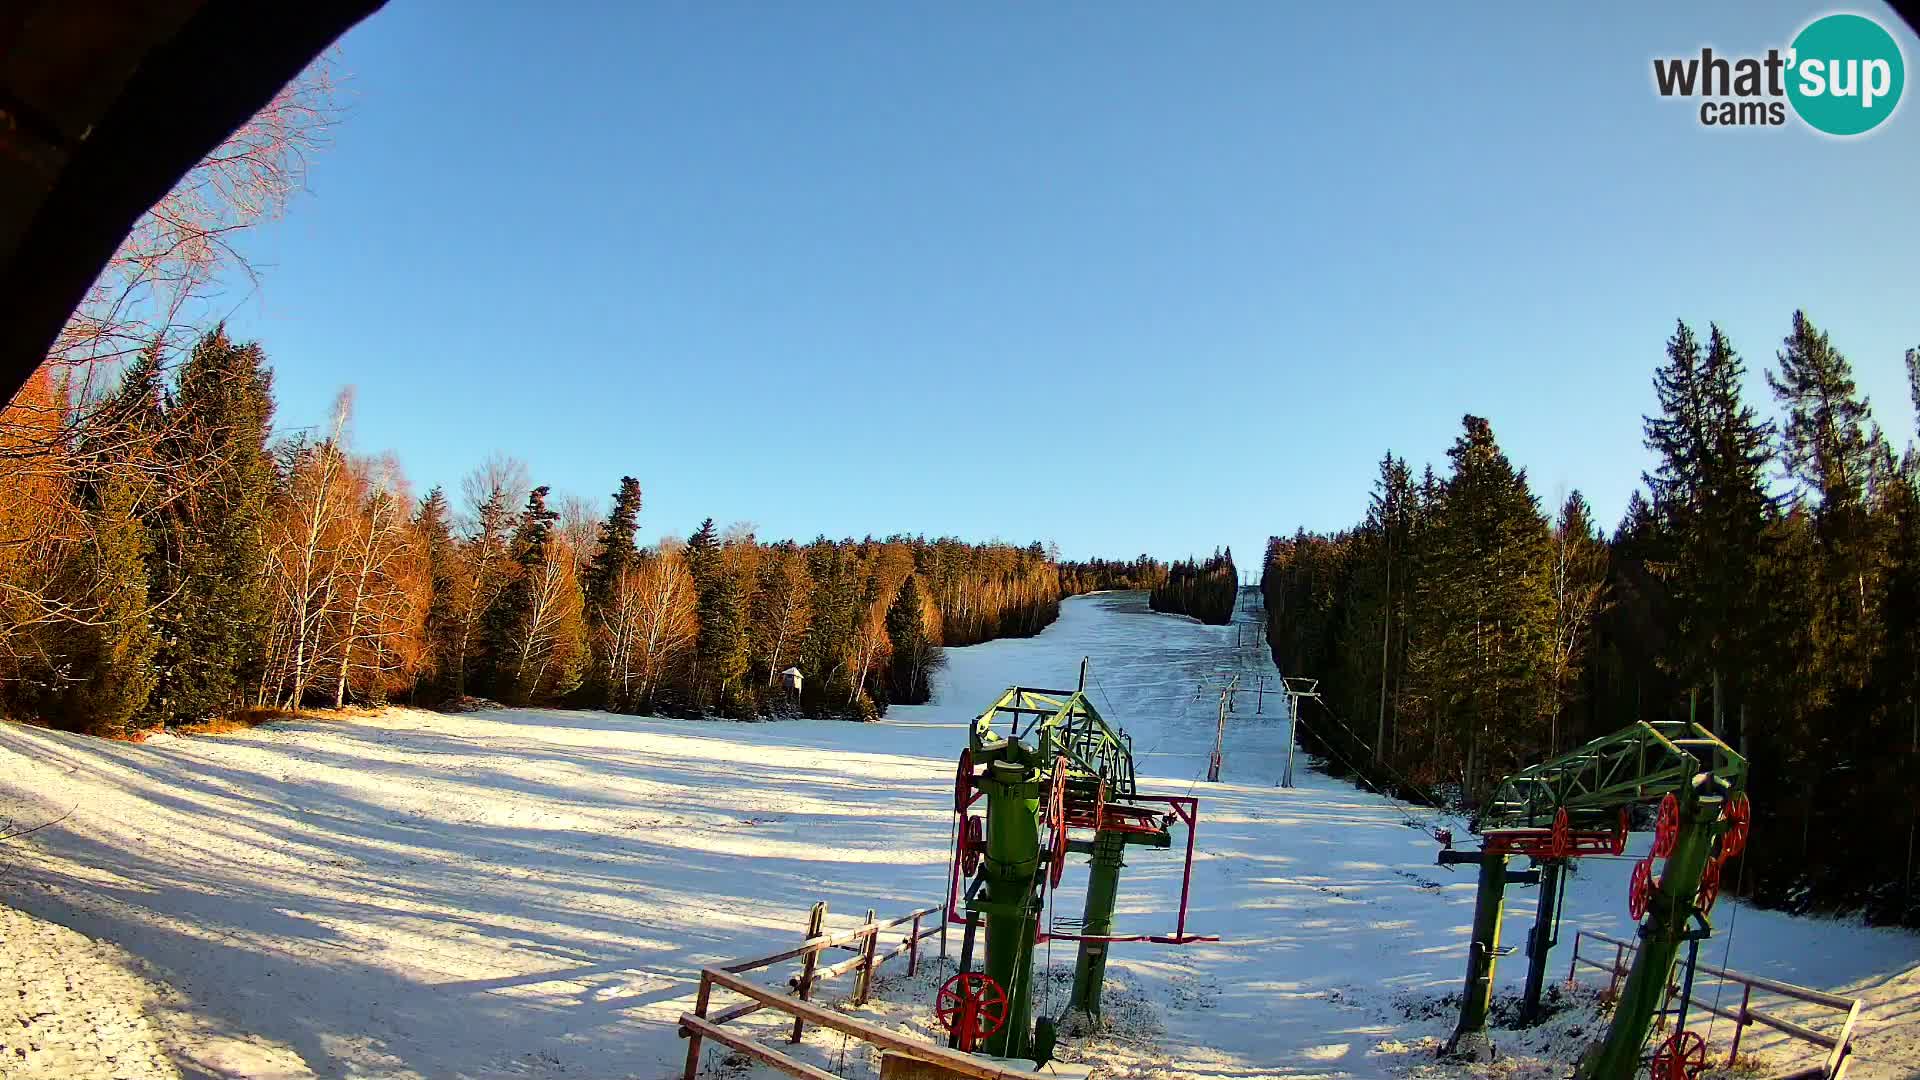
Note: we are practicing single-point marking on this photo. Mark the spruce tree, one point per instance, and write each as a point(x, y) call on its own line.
point(614, 556)
point(617, 552)
point(1831, 451)
point(914, 657)
point(433, 527)
point(507, 618)
point(207, 548)
point(1709, 494)
point(722, 645)
point(109, 655)
point(1490, 557)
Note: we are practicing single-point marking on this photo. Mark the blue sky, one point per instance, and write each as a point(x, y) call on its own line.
point(1128, 277)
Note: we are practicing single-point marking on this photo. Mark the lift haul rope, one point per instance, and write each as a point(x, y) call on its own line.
point(1403, 810)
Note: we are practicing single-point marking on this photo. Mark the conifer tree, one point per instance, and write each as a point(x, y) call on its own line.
point(108, 655)
point(1489, 563)
point(615, 555)
point(510, 615)
point(433, 525)
point(720, 658)
point(1709, 494)
point(207, 548)
point(1831, 450)
point(915, 656)
point(617, 552)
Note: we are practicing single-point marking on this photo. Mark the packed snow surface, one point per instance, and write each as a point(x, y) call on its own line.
point(533, 892)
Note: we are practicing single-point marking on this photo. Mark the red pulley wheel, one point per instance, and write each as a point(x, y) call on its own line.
point(1682, 1057)
point(1640, 889)
point(1056, 823)
point(1620, 837)
point(973, 843)
point(1709, 888)
point(1739, 814)
point(1058, 864)
point(963, 783)
point(1562, 834)
point(972, 1006)
point(1666, 826)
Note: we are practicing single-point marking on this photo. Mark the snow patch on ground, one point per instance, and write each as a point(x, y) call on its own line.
point(73, 1007)
point(531, 893)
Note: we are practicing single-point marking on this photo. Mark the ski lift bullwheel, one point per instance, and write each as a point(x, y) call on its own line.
point(1056, 823)
point(963, 783)
point(973, 843)
point(1562, 834)
point(1640, 889)
point(1739, 814)
point(1682, 1057)
point(1666, 826)
point(972, 1006)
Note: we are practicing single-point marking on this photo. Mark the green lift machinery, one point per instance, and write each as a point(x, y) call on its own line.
point(1578, 804)
point(1048, 767)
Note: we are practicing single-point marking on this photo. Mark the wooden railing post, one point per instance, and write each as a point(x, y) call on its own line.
point(1746, 995)
point(865, 980)
point(1837, 1060)
point(816, 926)
point(693, 1037)
point(913, 948)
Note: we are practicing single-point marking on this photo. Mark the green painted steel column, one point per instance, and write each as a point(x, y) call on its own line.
point(1660, 939)
point(1540, 940)
point(1012, 916)
point(1489, 905)
point(1103, 890)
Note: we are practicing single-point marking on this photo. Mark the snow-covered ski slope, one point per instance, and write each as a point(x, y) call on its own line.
point(532, 893)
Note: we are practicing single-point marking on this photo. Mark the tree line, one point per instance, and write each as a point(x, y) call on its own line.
point(173, 562)
point(1205, 589)
point(1766, 582)
point(1099, 575)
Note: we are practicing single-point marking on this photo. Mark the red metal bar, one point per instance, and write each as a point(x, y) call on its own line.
point(1187, 809)
point(1156, 939)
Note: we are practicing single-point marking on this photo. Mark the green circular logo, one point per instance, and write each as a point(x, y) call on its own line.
point(1845, 74)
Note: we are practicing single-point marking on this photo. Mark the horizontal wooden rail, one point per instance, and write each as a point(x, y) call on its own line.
point(964, 1064)
point(854, 962)
point(788, 1065)
point(1838, 1046)
point(863, 941)
point(842, 939)
point(1798, 1031)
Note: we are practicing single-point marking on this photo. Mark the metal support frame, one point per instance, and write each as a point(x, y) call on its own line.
point(1661, 935)
point(1591, 786)
point(1011, 906)
point(1096, 924)
point(1543, 937)
point(1484, 951)
point(1033, 748)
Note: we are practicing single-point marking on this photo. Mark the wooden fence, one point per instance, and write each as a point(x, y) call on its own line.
point(1839, 1046)
point(863, 942)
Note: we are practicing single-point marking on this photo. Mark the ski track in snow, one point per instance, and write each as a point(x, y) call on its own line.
point(533, 892)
